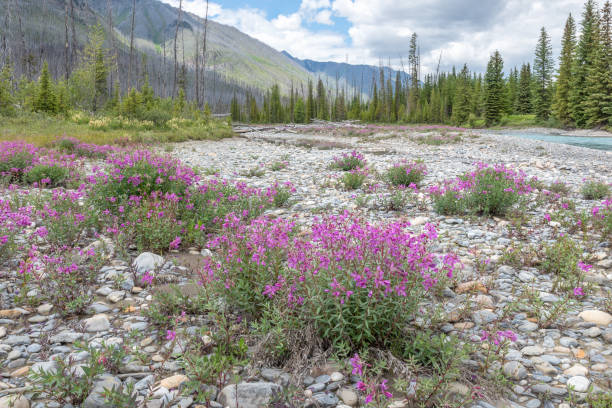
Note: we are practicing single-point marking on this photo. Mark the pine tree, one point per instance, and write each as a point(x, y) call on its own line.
point(276, 109)
point(322, 105)
point(310, 108)
point(463, 98)
point(494, 89)
point(524, 106)
point(583, 63)
point(100, 77)
point(598, 110)
point(300, 111)
point(45, 101)
point(543, 69)
point(6, 90)
point(235, 109)
point(566, 61)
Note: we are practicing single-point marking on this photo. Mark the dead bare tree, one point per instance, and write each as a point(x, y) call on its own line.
point(111, 32)
point(6, 50)
point(178, 22)
point(73, 48)
point(66, 44)
point(131, 46)
point(204, 56)
point(197, 70)
point(164, 68)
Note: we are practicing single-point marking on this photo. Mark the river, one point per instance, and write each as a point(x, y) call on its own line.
point(599, 143)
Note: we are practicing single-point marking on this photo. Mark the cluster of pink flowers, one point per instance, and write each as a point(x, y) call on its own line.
point(18, 158)
point(372, 389)
point(342, 256)
point(472, 182)
point(82, 149)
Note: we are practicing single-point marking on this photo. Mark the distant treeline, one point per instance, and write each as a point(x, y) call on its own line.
point(580, 94)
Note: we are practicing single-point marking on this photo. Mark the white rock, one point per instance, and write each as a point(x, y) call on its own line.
point(596, 316)
point(579, 383)
point(147, 262)
point(97, 323)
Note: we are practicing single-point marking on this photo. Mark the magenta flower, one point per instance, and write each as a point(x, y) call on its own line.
point(170, 334)
point(578, 292)
point(147, 278)
point(357, 365)
point(176, 243)
point(584, 267)
point(547, 217)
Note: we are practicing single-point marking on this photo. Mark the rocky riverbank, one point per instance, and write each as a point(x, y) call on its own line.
point(563, 347)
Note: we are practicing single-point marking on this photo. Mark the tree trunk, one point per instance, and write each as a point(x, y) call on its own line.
point(129, 82)
point(178, 22)
point(204, 56)
point(66, 44)
point(111, 31)
point(197, 70)
point(74, 40)
point(6, 50)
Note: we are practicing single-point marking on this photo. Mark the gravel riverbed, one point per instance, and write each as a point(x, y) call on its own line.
point(542, 364)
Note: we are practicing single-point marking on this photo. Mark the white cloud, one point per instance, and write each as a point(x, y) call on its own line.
point(459, 30)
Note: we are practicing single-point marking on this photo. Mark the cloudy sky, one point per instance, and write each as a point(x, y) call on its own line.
point(364, 31)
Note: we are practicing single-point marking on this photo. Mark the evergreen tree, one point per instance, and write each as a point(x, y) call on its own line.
point(6, 90)
point(100, 77)
point(586, 51)
point(494, 89)
point(310, 108)
point(512, 92)
point(524, 91)
point(463, 97)
point(300, 111)
point(276, 109)
point(235, 109)
point(45, 100)
point(564, 79)
point(322, 106)
point(598, 110)
point(543, 69)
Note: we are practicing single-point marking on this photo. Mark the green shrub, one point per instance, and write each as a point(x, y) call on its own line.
point(561, 259)
point(349, 161)
point(595, 190)
point(53, 175)
point(404, 174)
point(486, 191)
point(354, 179)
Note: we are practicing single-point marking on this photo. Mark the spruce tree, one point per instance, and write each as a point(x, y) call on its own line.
point(276, 109)
point(100, 78)
point(300, 111)
point(494, 89)
point(6, 90)
point(235, 109)
point(598, 110)
point(463, 97)
point(512, 92)
point(585, 58)
point(45, 100)
point(543, 69)
point(322, 105)
point(566, 61)
point(310, 108)
point(524, 91)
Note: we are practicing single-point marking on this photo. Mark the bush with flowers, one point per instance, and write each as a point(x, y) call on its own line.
point(406, 174)
point(349, 161)
point(489, 191)
point(357, 283)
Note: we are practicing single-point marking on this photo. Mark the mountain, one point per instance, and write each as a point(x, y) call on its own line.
point(238, 56)
point(359, 76)
point(35, 31)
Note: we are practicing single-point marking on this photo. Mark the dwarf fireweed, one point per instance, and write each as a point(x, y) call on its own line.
point(358, 283)
point(405, 174)
point(349, 161)
point(486, 191)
